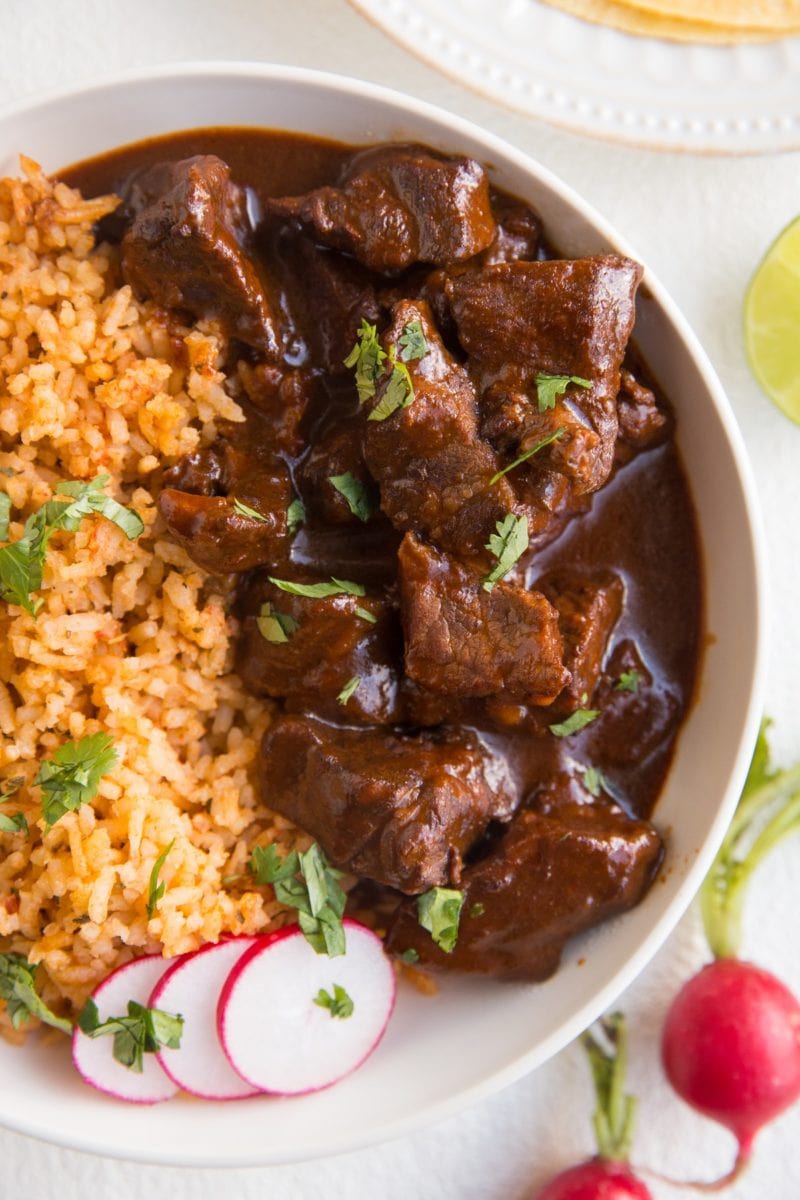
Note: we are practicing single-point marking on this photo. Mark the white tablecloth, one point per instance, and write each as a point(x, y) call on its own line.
point(702, 224)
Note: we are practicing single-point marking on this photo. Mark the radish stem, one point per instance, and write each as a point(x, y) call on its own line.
point(614, 1115)
point(768, 811)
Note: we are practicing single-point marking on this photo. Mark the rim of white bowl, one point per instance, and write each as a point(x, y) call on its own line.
point(496, 147)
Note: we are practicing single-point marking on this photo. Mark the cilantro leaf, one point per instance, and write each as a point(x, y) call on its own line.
point(155, 890)
point(355, 494)
point(316, 591)
point(368, 357)
point(308, 883)
point(507, 545)
point(268, 866)
point(628, 682)
point(477, 910)
point(595, 781)
point(90, 498)
point(244, 510)
point(5, 513)
point(16, 823)
point(143, 1031)
point(338, 1004)
point(9, 786)
point(398, 393)
point(22, 562)
point(275, 626)
point(550, 388)
point(409, 956)
point(439, 911)
point(349, 689)
point(18, 989)
point(412, 342)
point(546, 441)
point(72, 776)
point(295, 515)
point(575, 722)
point(365, 614)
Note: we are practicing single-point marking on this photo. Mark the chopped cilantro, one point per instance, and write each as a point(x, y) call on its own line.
point(365, 615)
point(275, 626)
point(628, 682)
point(156, 889)
point(72, 776)
point(349, 689)
point(142, 1031)
point(551, 437)
point(316, 591)
point(412, 342)
point(439, 911)
point(295, 515)
point(22, 562)
point(307, 882)
point(477, 910)
point(16, 823)
point(368, 357)
point(507, 545)
point(355, 494)
point(575, 722)
point(398, 393)
point(338, 1005)
point(550, 388)
point(9, 786)
point(5, 513)
point(410, 956)
point(18, 989)
point(595, 781)
point(244, 510)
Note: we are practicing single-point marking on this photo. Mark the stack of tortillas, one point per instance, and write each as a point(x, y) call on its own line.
point(693, 20)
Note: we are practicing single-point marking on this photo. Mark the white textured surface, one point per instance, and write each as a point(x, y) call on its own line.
point(702, 224)
point(601, 81)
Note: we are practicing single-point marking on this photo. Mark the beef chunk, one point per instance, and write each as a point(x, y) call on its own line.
point(433, 469)
point(588, 609)
point(518, 235)
point(329, 295)
point(198, 505)
point(642, 423)
point(560, 317)
point(464, 641)
point(185, 245)
point(639, 713)
point(338, 452)
point(399, 205)
point(327, 644)
point(548, 878)
point(399, 810)
point(281, 400)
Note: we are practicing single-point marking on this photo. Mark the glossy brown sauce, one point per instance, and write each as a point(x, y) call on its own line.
point(641, 524)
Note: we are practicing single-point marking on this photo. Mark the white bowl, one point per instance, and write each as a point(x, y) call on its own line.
point(476, 1036)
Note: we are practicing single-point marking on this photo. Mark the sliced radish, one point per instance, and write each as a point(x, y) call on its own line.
point(94, 1057)
point(192, 987)
point(273, 1033)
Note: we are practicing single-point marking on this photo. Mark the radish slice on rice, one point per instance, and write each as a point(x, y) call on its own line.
point(192, 986)
point(94, 1057)
point(277, 1028)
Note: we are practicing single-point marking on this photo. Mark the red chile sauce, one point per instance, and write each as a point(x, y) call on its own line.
point(641, 524)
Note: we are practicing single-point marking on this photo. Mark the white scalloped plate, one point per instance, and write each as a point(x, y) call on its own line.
point(598, 81)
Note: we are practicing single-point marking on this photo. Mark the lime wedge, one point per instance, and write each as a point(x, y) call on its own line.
point(772, 321)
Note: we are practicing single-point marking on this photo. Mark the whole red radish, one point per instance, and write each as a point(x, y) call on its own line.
point(607, 1176)
point(731, 1040)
